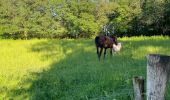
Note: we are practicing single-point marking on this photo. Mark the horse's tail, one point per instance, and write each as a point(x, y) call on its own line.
point(97, 40)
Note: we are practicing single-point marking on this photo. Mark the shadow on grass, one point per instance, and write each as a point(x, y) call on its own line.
point(76, 74)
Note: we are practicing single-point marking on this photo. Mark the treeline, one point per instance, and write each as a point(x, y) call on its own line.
point(25, 19)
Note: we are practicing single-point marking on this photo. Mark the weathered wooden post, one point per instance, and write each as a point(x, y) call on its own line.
point(158, 68)
point(138, 85)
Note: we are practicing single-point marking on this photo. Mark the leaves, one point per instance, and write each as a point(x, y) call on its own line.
point(83, 18)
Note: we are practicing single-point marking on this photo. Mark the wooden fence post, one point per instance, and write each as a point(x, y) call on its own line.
point(158, 68)
point(138, 85)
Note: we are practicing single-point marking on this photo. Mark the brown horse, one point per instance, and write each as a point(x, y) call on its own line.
point(104, 42)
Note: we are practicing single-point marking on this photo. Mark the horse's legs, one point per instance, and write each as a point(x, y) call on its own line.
point(98, 52)
point(111, 52)
point(101, 50)
point(104, 52)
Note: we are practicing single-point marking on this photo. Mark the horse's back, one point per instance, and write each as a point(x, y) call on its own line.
point(105, 41)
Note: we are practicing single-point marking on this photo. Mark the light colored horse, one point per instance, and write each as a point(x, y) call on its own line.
point(117, 48)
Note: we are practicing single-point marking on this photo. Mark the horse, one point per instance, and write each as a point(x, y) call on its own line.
point(118, 47)
point(104, 42)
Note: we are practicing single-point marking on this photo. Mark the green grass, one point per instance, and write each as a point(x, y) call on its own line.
point(69, 69)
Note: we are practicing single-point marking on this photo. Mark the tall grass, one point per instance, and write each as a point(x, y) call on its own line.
point(69, 69)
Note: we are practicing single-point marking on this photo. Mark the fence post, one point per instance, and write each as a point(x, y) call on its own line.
point(158, 68)
point(138, 85)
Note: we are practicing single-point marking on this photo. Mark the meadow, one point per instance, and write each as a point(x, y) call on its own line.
point(68, 69)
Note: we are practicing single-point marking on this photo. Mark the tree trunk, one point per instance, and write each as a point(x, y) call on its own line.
point(158, 68)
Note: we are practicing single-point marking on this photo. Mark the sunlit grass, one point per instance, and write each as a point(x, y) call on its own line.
point(69, 69)
point(17, 60)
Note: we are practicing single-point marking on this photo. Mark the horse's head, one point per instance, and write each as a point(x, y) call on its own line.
point(114, 39)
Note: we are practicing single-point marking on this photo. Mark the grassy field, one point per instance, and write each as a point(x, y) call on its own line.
point(69, 69)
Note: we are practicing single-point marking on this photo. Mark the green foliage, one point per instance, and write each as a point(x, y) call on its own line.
point(82, 18)
point(68, 69)
point(87, 24)
point(29, 19)
point(153, 18)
